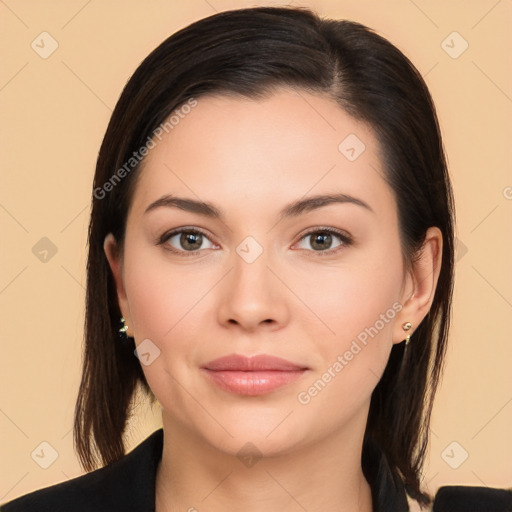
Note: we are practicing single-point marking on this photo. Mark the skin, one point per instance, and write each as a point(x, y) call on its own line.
point(251, 158)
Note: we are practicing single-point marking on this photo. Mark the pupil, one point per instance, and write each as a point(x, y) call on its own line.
point(191, 240)
point(324, 240)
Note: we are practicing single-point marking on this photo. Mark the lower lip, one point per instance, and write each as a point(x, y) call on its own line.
point(253, 383)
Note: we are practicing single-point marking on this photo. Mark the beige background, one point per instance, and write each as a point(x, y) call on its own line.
point(54, 113)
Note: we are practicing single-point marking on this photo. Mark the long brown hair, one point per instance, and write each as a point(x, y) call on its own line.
point(250, 52)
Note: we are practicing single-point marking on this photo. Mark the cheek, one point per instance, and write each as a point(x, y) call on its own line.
point(164, 302)
point(357, 306)
point(351, 301)
point(170, 305)
point(161, 296)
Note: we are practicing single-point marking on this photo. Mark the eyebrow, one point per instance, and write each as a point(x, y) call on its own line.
point(291, 210)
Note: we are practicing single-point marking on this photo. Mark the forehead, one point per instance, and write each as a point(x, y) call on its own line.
point(270, 150)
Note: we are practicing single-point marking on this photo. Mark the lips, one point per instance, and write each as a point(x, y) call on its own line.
point(252, 376)
point(255, 363)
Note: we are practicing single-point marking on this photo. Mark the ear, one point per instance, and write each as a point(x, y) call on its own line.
point(420, 284)
point(116, 265)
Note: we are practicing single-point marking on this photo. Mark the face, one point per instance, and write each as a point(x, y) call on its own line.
point(320, 285)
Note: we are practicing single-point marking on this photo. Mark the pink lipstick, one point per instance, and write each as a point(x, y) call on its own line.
point(252, 376)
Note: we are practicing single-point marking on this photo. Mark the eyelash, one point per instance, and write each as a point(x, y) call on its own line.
point(167, 236)
point(344, 237)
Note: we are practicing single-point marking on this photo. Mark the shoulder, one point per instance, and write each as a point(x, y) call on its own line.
point(389, 492)
point(461, 498)
point(465, 498)
point(128, 485)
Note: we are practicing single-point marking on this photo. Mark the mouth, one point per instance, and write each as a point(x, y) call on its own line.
point(252, 376)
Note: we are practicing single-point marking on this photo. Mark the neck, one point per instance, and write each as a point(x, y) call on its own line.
point(325, 476)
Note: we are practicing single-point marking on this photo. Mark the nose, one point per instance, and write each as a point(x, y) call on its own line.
point(252, 297)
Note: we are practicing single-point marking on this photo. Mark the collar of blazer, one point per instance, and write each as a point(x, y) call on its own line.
point(128, 485)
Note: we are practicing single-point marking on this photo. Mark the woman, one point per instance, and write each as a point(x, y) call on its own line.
point(271, 258)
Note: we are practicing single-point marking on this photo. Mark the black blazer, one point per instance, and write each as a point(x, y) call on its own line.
point(128, 485)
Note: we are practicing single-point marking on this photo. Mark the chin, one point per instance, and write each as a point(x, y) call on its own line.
point(271, 431)
point(254, 442)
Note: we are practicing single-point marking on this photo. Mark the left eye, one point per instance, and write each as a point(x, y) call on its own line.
point(187, 240)
point(322, 240)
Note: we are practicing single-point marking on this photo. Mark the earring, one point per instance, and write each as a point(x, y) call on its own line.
point(406, 326)
point(123, 330)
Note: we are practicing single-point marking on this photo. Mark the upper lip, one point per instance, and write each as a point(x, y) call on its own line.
point(237, 362)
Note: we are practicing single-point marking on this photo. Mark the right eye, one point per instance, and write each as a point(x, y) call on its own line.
point(185, 240)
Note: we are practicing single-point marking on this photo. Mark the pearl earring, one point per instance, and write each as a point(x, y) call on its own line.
point(123, 336)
